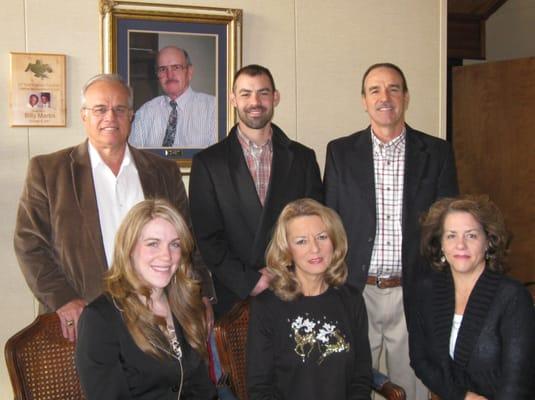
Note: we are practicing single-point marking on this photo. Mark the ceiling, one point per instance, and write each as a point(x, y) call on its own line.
point(466, 27)
point(480, 9)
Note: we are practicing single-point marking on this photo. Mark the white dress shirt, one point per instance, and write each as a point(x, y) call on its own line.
point(196, 121)
point(116, 195)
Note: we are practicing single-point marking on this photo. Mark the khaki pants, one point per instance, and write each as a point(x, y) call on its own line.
point(387, 330)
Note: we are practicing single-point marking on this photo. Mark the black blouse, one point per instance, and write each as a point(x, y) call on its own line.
point(310, 348)
point(111, 366)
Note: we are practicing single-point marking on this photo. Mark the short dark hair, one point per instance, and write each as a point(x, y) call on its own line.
point(254, 70)
point(384, 65)
point(484, 211)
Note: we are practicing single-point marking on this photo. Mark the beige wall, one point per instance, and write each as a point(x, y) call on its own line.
point(317, 51)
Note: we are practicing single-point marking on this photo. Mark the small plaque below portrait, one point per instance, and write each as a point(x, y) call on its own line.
point(37, 90)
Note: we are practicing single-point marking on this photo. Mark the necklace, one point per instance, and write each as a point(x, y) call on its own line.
point(174, 343)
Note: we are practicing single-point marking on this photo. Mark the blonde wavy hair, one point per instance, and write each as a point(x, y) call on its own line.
point(279, 258)
point(126, 288)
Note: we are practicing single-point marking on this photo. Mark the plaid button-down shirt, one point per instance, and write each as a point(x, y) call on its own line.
point(258, 160)
point(389, 167)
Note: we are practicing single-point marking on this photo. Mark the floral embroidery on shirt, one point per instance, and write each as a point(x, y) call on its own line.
point(310, 334)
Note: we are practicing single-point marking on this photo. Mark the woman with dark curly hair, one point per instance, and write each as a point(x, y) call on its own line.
point(308, 335)
point(144, 338)
point(472, 329)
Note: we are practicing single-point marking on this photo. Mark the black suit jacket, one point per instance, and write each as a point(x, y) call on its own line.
point(231, 226)
point(111, 366)
point(350, 190)
point(494, 353)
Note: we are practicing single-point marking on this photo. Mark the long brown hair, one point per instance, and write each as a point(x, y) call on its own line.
point(126, 288)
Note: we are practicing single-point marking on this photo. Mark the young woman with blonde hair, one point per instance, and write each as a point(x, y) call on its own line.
point(144, 338)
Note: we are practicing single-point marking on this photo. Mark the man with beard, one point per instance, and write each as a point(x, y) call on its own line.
point(239, 186)
point(181, 117)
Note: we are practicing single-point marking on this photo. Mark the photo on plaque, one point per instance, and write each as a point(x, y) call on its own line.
point(37, 90)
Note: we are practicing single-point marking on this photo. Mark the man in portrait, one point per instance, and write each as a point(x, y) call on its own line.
point(45, 100)
point(380, 180)
point(180, 117)
point(33, 100)
point(74, 200)
point(239, 186)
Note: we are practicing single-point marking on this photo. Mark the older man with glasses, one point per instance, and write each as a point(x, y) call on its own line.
point(74, 200)
point(181, 117)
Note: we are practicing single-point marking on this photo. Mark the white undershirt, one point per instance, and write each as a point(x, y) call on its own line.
point(116, 195)
point(455, 326)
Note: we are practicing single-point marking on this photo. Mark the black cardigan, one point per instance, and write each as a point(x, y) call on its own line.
point(494, 354)
point(111, 366)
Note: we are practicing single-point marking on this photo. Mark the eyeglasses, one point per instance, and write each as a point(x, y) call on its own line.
point(173, 68)
point(100, 111)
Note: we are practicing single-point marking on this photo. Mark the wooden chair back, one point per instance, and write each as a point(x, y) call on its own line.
point(40, 362)
point(231, 340)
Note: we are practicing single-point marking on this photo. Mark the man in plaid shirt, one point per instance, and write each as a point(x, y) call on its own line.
point(380, 180)
point(239, 186)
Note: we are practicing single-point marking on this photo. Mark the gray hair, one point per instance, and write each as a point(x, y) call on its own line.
point(186, 55)
point(108, 78)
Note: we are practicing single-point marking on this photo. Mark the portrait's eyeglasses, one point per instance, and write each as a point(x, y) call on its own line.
point(99, 111)
point(173, 68)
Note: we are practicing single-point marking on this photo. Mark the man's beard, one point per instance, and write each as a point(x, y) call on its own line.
point(257, 122)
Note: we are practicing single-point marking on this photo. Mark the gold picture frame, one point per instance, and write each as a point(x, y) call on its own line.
point(133, 32)
point(37, 90)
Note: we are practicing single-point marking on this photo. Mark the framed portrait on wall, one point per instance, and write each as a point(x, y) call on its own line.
point(209, 40)
point(37, 89)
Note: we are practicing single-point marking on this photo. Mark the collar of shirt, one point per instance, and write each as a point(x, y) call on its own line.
point(395, 145)
point(181, 100)
point(97, 162)
point(248, 146)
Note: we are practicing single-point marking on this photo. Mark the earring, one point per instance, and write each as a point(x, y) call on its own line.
point(443, 259)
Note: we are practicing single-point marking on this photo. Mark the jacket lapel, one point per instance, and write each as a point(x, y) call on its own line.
point(281, 165)
point(243, 183)
point(86, 199)
point(416, 161)
point(363, 170)
point(150, 180)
